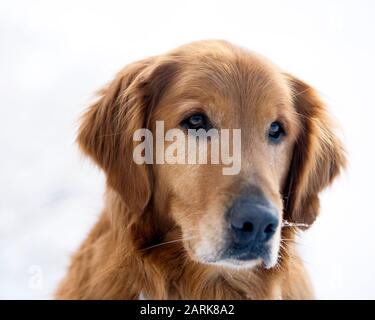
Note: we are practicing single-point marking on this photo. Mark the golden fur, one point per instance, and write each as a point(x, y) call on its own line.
point(128, 251)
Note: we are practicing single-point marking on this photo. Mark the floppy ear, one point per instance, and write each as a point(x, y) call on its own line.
point(318, 156)
point(107, 127)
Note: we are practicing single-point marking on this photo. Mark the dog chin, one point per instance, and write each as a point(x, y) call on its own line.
point(247, 264)
point(231, 263)
point(238, 264)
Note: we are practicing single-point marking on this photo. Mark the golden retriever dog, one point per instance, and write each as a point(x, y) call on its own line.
point(187, 231)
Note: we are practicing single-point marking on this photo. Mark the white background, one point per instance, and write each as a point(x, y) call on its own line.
point(55, 54)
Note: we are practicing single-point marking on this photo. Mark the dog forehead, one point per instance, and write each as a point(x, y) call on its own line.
point(234, 77)
point(236, 85)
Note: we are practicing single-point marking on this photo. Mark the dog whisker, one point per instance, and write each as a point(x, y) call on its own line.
point(286, 223)
point(167, 242)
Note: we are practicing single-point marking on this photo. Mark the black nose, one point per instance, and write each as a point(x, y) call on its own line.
point(252, 221)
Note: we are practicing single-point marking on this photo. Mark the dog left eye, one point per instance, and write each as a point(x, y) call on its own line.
point(275, 132)
point(196, 121)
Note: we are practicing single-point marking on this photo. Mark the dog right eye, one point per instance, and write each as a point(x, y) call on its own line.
point(196, 121)
point(275, 132)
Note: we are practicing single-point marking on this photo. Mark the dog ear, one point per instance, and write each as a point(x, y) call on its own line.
point(317, 159)
point(107, 127)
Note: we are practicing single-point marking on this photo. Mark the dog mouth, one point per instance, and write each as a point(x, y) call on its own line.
point(240, 257)
point(245, 255)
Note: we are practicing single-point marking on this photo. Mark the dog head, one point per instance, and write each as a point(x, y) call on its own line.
point(288, 153)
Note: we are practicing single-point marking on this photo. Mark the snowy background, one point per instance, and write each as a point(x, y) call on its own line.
point(55, 54)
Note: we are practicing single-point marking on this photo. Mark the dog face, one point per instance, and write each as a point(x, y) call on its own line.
point(230, 219)
point(288, 151)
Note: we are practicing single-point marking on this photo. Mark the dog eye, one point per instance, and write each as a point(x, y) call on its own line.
point(275, 132)
point(196, 121)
